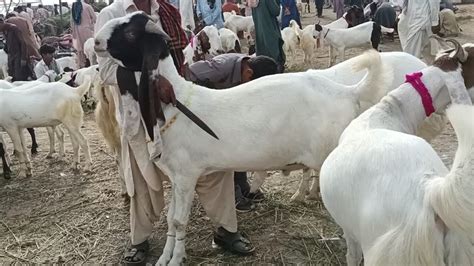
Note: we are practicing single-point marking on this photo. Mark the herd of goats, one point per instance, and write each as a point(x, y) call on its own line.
point(363, 123)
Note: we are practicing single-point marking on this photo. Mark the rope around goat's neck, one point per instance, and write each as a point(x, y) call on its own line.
point(187, 103)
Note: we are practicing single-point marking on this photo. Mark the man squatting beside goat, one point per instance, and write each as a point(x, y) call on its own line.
point(226, 71)
point(143, 179)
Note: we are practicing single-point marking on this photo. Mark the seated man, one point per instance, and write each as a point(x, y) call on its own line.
point(48, 62)
point(226, 71)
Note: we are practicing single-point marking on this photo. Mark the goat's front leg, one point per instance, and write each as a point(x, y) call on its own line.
point(302, 187)
point(184, 194)
point(51, 142)
point(60, 134)
point(257, 181)
point(171, 234)
point(27, 158)
point(331, 55)
point(342, 54)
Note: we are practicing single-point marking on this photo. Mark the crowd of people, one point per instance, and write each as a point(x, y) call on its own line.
point(27, 59)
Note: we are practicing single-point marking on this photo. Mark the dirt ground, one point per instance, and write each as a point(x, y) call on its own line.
point(62, 216)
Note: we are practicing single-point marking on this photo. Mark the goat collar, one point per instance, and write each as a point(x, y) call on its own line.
point(326, 33)
point(415, 81)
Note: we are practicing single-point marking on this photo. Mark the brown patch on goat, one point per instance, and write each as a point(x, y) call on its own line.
point(446, 63)
point(468, 68)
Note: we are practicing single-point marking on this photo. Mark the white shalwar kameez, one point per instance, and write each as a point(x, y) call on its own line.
point(414, 27)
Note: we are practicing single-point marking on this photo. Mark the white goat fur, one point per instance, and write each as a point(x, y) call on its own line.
point(89, 51)
point(43, 105)
point(310, 145)
point(402, 64)
point(390, 192)
point(228, 39)
point(4, 63)
point(341, 39)
point(68, 61)
point(291, 39)
point(238, 23)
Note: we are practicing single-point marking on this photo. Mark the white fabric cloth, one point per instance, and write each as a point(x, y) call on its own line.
point(415, 24)
point(41, 68)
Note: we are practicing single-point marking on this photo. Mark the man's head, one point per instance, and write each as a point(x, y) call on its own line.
point(28, 5)
point(40, 6)
point(258, 66)
point(47, 52)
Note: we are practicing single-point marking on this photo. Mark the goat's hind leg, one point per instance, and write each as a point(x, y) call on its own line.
point(20, 152)
point(6, 168)
point(314, 190)
point(34, 144)
point(354, 251)
point(300, 194)
point(52, 149)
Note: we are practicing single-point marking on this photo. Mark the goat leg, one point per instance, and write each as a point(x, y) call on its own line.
point(34, 144)
point(6, 168)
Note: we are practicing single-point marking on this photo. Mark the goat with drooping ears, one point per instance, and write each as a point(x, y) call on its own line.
point(395, 200)
point(247, 110)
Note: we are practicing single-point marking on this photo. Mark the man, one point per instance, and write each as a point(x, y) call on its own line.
point(30, 11)
point(16, 49)
point(210, 12)
point(226, 71)
point(82, 28)
point(48, 62)
point(414, 28)
point(27, 33)
point(268, 35)
point(143, 178)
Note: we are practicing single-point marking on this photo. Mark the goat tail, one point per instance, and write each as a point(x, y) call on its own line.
point(105, 117)
point(373, 86)
point(417, 241)
point(84, 87)
point(386, 30)
point(452, 196)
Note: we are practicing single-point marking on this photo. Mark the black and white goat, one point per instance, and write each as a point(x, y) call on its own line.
point(248, 111)
point(341, 39)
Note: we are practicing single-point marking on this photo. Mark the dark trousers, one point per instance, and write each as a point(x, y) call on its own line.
point(319, 7)
point(241, 185)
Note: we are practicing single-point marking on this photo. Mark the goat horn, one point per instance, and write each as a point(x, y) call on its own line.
point(459, 53)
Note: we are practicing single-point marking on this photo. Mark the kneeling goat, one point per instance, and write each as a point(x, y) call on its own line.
point(305, 121)
point(44, 105)
point(390, 192)
point(340, 39)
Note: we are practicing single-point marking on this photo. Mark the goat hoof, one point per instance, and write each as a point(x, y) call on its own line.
point(34, 151)
point(7, 175)
point(177, 262)
point(49, 156)
point(22, 174)
point(162, 261)
point(297, 197)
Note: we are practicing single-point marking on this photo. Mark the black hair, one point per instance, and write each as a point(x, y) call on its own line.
point(9, 15)
point(262, 66)
point(28, 5)
point(47, 49)
point(40, 6)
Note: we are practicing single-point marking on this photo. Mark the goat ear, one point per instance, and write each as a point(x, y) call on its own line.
point(152, 27)
point(459, 52)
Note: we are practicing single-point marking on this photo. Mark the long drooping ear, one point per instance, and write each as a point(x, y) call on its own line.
point(459, 52)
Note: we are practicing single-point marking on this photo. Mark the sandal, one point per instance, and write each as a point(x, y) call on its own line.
point(136, 254)
point(233, 242)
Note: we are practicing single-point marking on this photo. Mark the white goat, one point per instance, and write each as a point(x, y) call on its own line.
point(402, 64)
point(43, 105)
point(89, 51)
point(247, 110)
point(229, 40)
point(4, 63)
point(291, 39)
point(390, 192)
point(68, 61)
point(340, 39)
point(205, 42)
point(238, 23)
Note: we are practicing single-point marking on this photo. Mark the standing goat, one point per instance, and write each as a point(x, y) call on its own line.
point(291, 40)
point(340, 39)
point(395, 200)
point(247, 110)
point(230, 41)
point(204, 45)
point(44, 105)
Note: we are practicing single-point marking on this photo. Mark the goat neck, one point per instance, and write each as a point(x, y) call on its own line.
point(168, 70)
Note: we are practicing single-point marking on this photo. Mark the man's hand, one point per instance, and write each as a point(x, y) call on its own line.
point(166, 90)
